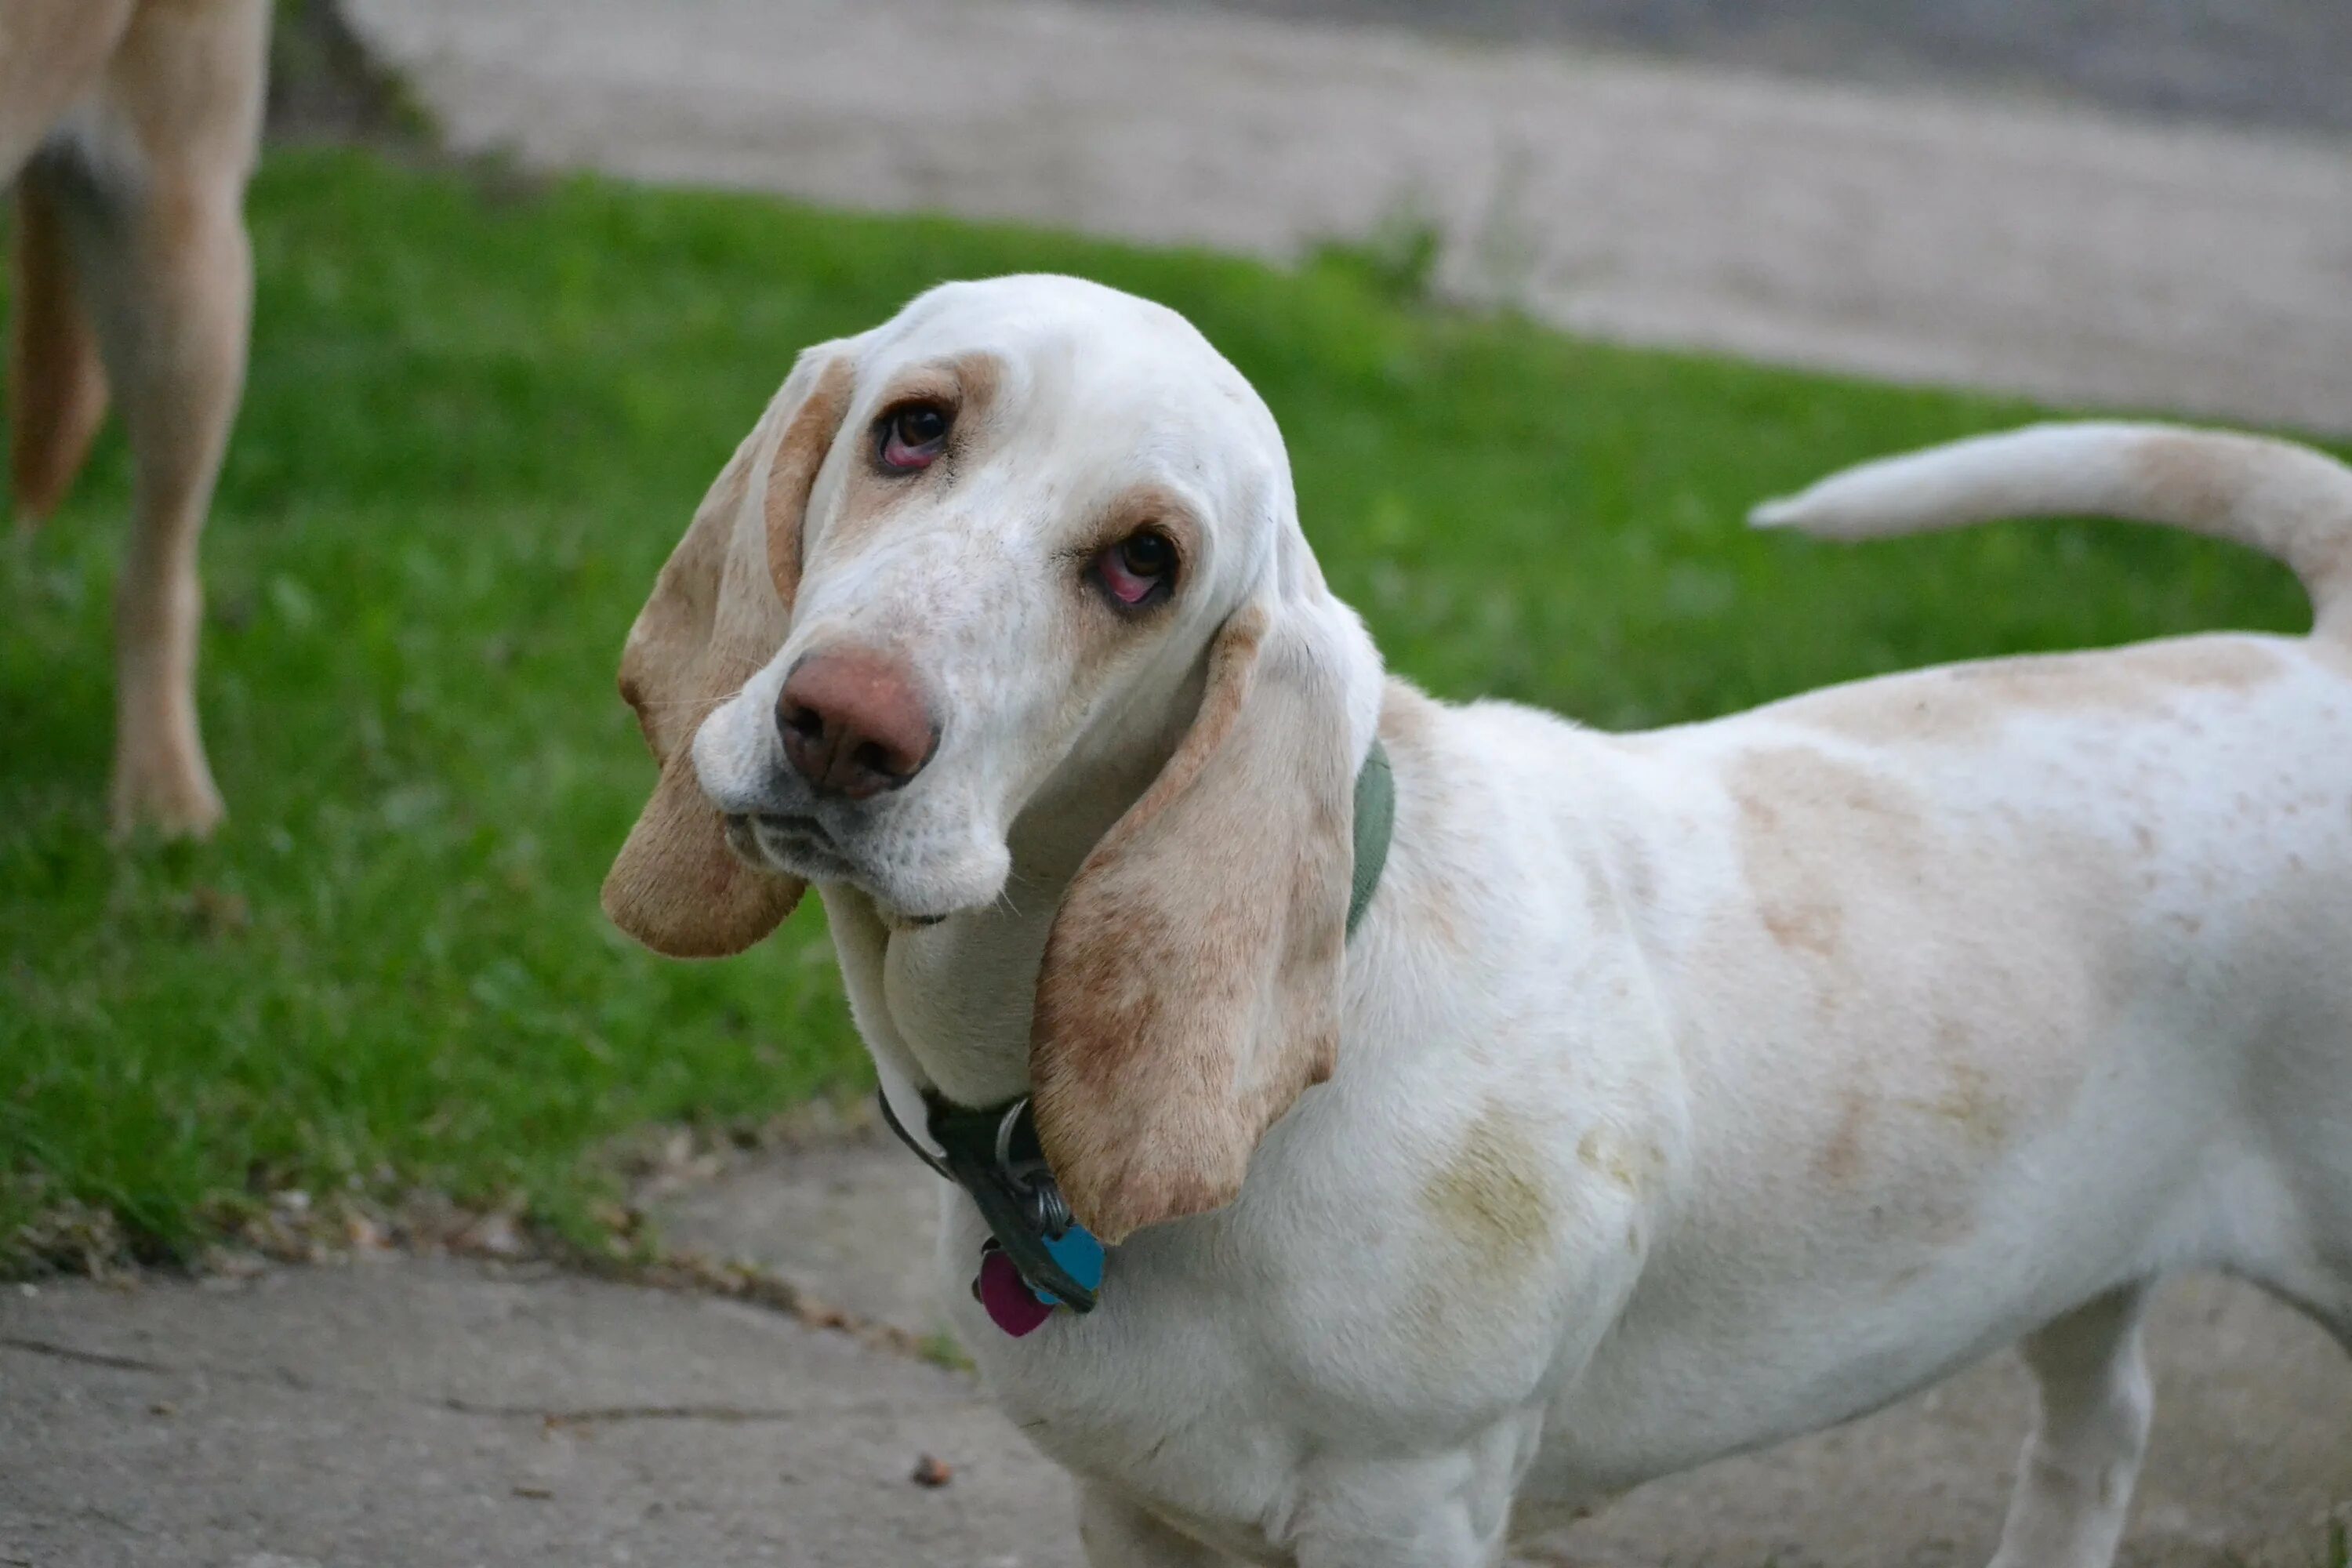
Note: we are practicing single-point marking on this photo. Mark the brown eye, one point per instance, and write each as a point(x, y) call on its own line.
point(913, 437)
point(1138, 566)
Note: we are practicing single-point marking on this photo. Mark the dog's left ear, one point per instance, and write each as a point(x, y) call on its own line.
point(1191, 986)
point(719, 610)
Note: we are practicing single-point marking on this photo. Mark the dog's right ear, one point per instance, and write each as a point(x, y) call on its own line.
point(719, 610)
point(1190, 990)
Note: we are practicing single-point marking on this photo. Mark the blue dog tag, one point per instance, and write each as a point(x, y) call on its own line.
point(1077, 1251)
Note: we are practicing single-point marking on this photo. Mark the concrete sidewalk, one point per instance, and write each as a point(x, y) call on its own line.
point(2060, 253)
point(418, 1413)
point(428, 1414)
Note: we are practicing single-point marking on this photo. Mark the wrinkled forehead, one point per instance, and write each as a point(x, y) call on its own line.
point(1060, 356)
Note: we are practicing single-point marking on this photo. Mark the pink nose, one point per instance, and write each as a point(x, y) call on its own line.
point(853, 722)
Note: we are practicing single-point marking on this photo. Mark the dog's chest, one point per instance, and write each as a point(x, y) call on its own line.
point(1233, 1355)
point(957, 998)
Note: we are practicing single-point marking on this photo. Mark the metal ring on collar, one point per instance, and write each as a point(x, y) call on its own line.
point(1005, 1133)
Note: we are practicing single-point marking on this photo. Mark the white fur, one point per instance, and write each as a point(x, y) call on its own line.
point(1697, 1088)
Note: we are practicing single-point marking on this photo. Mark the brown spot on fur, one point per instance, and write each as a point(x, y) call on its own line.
point(1102, 630)
point(1841, 1157)
point(1961, 702)
point(2139, 678)
point(967, 385)
point(1605, 1154)
point(1930, 708)
point(1491, 1197)
point(980, 377)
point(1812, 927)
point(1968, 1104)
point(1793, 801)
point(1149, 505)
point(792, 473)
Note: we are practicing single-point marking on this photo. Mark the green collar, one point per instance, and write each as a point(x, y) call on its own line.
point(1375, 824)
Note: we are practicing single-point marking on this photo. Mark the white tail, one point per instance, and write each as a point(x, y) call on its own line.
point(2288, 500)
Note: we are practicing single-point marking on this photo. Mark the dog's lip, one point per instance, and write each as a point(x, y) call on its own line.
point(814, 844)
point(753, 837)
point(799, 824)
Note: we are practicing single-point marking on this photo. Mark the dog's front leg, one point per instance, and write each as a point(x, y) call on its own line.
point(1447, 1509)
point(1117, 1534)
point(177, 373)
point(159, 252)
point(2092, 1403)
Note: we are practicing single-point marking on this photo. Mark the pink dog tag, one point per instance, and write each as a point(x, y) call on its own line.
point(1001, 1291)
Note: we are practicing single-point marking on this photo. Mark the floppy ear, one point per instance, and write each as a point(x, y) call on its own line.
point(720, 611)
point(1191, 986)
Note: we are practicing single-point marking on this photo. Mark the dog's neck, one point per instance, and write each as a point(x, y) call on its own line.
point(947, 1006)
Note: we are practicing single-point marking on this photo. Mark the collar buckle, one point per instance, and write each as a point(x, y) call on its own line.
point(993, 1156)
point(1032, 1181)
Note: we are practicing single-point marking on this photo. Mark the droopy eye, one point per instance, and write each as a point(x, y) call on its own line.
point(913, 435)
point(1139, 567)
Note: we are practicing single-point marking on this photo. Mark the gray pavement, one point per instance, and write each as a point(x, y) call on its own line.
point(420, 1413)
point(2052, 251)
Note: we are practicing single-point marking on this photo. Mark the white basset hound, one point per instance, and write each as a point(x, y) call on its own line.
point(1677, 1093)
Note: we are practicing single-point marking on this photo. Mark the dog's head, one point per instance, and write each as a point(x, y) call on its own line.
point(1018, 564)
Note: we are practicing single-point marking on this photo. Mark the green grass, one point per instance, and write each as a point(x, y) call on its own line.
point(475, 425)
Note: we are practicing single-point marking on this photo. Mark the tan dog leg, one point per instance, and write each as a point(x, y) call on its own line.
point(2093, 1404)
point(57, 387)
point(176, 305)
point(51, 53)
point(153, 194)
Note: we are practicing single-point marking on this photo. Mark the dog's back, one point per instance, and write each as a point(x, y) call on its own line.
point(2208, 781)
point(2001, 991)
